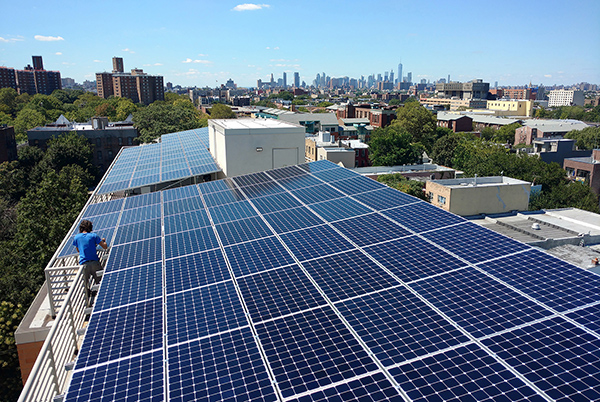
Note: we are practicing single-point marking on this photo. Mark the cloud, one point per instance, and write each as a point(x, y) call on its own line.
point(127, 50)
point(58, 53)
point(188, 60)
point(9, 40)
point(202, 55)
point(250, 7)
point(548, 75)
point(274, 48)
point(155, 64)
point(48, 38)
point(97, 61)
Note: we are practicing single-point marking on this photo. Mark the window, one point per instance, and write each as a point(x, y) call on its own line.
point(120, 141)
point(110, 154)
point(98, 141)
point(441, 200)
point(129, 141)
point(99, 155)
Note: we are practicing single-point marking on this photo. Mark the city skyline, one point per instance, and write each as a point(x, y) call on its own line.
point(205, 43)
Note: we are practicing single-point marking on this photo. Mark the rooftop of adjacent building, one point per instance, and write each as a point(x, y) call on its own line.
point(556, 124)
point(489, 181)
point(251, 124)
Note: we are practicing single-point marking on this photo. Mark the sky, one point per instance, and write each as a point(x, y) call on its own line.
point(204, 43)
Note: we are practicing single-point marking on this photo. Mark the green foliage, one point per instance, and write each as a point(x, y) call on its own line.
point(320, 111)
point(284, 95)
point(570, 112)
point(588, 138)
point(162, 118)
point(399, 182)
point(324, 104)
point(219, 111)
point(487, 133)
point(67, 95)
point(8, 102)
point(506, 134)
point(394, 102)
point(303, 109)
point(26, 120)
point(10, 317)
point(443, 149)
point(392, 146)
point(267, 103)
point(419, 122)
point(6, 118)
point(572, 194)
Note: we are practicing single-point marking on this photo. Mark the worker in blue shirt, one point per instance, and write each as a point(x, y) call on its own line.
point(85, 242)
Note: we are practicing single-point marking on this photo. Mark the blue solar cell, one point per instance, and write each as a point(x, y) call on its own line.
point(337, 173)
point(179, 193)
point(422, 216)
point(108, 220)
point(292, 219)
point(555, 355)
point(103, 208)
point(464, 374)
point(231, 212)
point(562, 286)
point(370, 229)
point(144, 180)
point(242, 230)
point(588, 317)
point(140, 214)
point(342, 208)
point(262, 190)
point(186, 221)
point(333, 355)
point(190, 242)
point(139, 378)
point(223, 197)
point(130, 286)
point(311, 195)
point(195, 270)
point(138, 231)
point(385, 198)
point(300, 181)
point(478, 303)
point(315, 242)
point(285, 172)
point(488, 245)
point(176, 174)
point(137, 201)
point(318, 166)
point(278, 292)
point(357, 185)
point(397, 326)
point(208, 310)
point(276, 202)
point(183, 205)
point(122, 332)
point(252, 179)
point(375, 388)
point(259, 255)
point(348, 274)
point(134, 254)
point(224, 367)
point(412, 258)
point(216, 186)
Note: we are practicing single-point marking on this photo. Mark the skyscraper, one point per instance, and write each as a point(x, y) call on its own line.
point(297, 80)
point(400, 72)
point(392, 75)
point(409, 77)
point(284, 79)
point(37, 62)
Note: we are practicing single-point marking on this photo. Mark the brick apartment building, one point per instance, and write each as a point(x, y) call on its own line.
point(8, 144)
point(137, 85)
point(377, 117)
point(455, 122)
point(586, 170)
point(31, 80)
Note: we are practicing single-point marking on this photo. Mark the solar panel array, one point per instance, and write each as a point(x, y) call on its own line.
point(312, 283)
point(160, 162)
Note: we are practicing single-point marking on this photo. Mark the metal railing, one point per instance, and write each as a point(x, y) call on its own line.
point(49, 375)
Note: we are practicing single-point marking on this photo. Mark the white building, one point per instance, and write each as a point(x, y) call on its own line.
point(242, 146)
point(563, 97)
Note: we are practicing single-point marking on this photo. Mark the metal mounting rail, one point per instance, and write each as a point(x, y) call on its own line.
point(49, 376)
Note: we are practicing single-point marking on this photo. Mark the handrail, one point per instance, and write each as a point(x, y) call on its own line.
point(49, 376)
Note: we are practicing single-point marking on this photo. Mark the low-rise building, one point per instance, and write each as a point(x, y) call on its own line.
point(455, 103)
point(564, 97)
point(482, 121)
point(585, 170)
point(512, 107)
point(8, 144)
point(479, 195)
point(557, 150)
point(324, 146)
point(106, 137)
point(455, 122)
point(313, 122)
point(546, 129)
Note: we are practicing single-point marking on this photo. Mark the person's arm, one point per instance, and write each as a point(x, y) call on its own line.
point(103, 244)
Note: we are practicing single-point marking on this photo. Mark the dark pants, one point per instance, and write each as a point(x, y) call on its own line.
point(90, 270)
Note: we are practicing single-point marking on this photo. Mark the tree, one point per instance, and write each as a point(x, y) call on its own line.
point(588, 138)
point(8, 103)
point(566, 194)
point(162, 118)
point(399, 182)
point(506, 134)
point(394, 102)
point(219, 111)
point(67, 95)
point(443, 150)
point(10, 317)
point(26, 120)
point(392, 146)
point(419, 122)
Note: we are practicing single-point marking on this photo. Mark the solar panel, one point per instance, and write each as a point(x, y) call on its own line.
point(312, 283)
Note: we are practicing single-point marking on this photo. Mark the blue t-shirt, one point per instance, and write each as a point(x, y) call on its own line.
point(86, 243)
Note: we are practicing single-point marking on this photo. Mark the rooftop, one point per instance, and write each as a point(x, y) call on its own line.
point(251, 124)
point(556, 125)
point(488, 181)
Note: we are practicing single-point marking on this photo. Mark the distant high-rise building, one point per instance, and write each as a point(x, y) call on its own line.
point(423, 81)
point(38, 64)
point(392, 76)
point(448, 78)
point(409, 77)
point(399, 72)
point(118, 65)
point(137, 85)
point(379, 77)
point(385, 76)
point(272, 80)
point(284, 79)
point(496, 84)
point(297, 80)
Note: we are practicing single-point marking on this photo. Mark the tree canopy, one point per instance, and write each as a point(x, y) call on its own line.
point(588, 138)
point(393, 146)
point(219, 111)
point(163, 117)
point(419, 122)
